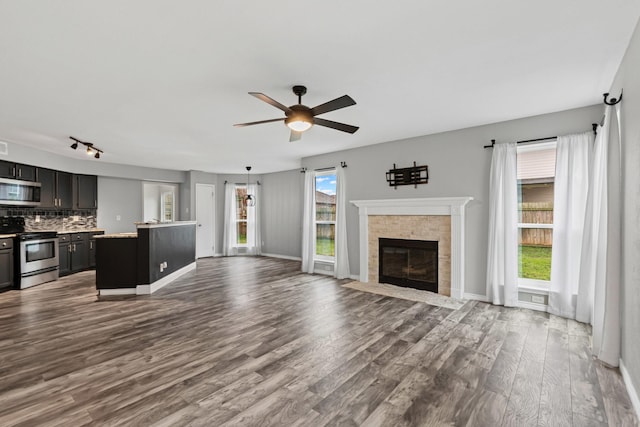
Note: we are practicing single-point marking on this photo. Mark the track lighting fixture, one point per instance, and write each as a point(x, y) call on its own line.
point(91, 150)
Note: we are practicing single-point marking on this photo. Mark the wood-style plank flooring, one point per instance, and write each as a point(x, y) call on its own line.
point(251, 341)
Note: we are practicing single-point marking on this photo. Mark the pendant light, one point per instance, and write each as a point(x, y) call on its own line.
point(250, 199)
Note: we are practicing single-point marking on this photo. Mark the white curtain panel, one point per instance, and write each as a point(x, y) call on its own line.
point(252, 222)
point(341, 267)
point(229, 236)
point(573, 153)
point(502, 261)
point(257, 249)
point(308, 228)
point(599, 294)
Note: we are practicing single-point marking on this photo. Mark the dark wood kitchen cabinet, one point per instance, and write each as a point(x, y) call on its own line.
point(17, 171)
point(6, 264)
point(56, 190)
point(85, 191)
point(74, 252)
point(64, 255)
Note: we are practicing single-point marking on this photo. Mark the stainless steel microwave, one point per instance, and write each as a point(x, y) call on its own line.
point(14, 192)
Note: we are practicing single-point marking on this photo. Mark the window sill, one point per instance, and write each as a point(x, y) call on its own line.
point(539, 287)
point(325, 260)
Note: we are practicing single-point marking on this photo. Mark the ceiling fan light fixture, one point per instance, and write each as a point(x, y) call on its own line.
point(298, 124)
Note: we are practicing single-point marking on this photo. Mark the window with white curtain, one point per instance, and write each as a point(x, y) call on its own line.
point(241, 215)
point(536, 174)
point(325, 220)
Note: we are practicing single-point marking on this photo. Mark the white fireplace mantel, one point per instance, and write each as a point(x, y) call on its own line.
point(452, 206)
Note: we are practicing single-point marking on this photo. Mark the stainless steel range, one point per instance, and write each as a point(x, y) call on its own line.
point(36, 253)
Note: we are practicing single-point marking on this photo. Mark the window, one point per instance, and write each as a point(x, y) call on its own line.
point(536, 175)
point(325, 221)
point(241, 215)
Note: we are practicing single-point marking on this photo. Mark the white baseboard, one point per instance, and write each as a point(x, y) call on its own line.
point(633, 393)
point(292, 258)
point(323, 272)
point(532, 305)
point(161, 283)
point(476, 297)
point(119, 291)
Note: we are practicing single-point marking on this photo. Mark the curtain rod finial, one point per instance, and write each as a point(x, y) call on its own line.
point(612, 101)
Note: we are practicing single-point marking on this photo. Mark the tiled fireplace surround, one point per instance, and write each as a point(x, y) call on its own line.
point(439, 219)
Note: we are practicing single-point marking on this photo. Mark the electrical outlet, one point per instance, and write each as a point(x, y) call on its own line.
point(117, 217)
point(538, 299)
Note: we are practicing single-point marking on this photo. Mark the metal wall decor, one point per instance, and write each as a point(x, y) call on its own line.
point(413, 175)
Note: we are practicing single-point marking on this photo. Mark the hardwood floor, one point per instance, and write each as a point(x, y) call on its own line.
point(251, 341)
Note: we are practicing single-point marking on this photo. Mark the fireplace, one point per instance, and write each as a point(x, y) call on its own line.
point(409, 263)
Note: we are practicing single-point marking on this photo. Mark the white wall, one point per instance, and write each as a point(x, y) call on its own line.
point(458, 166)
point(627, 79)
point(119, 198)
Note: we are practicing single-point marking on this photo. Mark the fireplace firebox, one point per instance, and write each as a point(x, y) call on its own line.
point(408, 263)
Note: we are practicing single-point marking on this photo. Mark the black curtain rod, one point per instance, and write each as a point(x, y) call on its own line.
point(547, 138)
point(241, 183)
point(343, 164)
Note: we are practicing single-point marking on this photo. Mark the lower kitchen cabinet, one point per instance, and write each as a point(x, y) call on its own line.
point(76, 252)
point(92, 248)
point(6, 264)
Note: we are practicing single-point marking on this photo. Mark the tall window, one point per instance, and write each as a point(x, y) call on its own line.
point(325, 221)
point(536, 175)
point(241, 215)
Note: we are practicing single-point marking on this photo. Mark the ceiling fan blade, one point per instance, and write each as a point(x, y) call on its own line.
point(335, 125)
point(271, 101)
point(239, 125)
point(336, 104)
point(295, 136)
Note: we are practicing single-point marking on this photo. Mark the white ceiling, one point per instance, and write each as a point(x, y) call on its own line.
point(160, 83)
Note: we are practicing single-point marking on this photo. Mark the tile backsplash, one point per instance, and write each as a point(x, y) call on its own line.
point(56, 220)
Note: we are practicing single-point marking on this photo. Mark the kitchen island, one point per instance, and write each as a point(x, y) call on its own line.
point(142, 262)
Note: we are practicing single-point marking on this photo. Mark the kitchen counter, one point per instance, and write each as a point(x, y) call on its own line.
point(141, 263)
point(90, 230)
point(7, 236)
point(140, 225)
point(118, 236)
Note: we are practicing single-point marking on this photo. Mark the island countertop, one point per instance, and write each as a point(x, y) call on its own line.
point(118, 236)
point(163, 224)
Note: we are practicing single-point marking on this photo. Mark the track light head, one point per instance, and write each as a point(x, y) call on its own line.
point(74, 145)
point(97, 156)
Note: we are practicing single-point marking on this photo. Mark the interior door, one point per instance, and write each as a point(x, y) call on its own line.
point(205, 204)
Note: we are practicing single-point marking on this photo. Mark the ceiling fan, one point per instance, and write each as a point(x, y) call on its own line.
point(300, 118)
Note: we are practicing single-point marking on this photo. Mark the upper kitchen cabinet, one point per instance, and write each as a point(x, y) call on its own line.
point(86, 192)
point(56, 190)
point(17, 171)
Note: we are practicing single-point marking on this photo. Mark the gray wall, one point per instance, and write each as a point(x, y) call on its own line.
point(627, 78)
point(458, 166)
point(89, 166)
point(119, 197)
point(281, 213)
point(119, 186)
